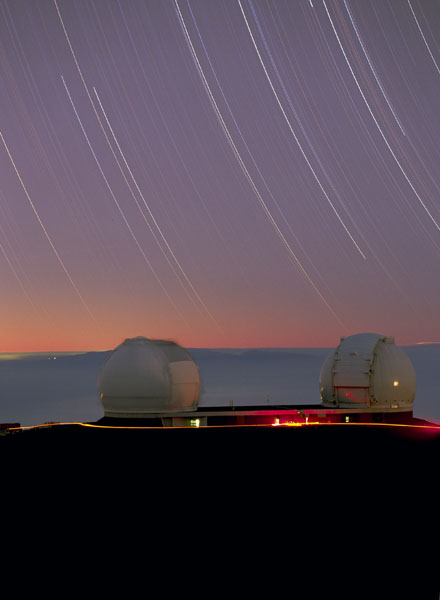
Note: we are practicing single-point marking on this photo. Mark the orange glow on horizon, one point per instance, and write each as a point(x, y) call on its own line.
point(62, 327)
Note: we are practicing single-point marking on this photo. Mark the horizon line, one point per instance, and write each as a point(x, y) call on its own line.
point(85, 351)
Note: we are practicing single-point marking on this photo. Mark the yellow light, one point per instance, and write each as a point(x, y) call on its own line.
point(396, 383)
point(294, 423)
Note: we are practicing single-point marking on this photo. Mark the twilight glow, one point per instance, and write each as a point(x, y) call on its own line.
point(230, 173)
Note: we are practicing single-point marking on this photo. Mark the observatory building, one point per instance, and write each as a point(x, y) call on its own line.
point(146, 383)
point(365, 379)
point(143, 378)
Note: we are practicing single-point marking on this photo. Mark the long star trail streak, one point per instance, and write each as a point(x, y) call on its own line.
point(242, 164)
point(55, 251)
point(121, 212)
point(122, 171)
point(151, 214)
point(248, 150)
point(373, 253)
point(194, 297)
point(294, 134)
point(52, 133)
point(373, 70)
point(371, 249)
point(304, 132)
point(167, 129)
point(376, 123)
point(140, 209)
point(423, 37)
point(97, 115)
point(374, 146)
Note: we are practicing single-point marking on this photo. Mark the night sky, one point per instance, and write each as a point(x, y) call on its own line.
point(230, 173)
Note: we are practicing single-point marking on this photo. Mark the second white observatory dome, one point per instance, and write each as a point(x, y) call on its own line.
point(368, 370)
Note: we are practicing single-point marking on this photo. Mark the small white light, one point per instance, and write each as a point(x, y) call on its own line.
point(396, 383)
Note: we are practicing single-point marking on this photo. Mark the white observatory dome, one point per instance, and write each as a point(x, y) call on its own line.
point(368, 370)
point(145, 376)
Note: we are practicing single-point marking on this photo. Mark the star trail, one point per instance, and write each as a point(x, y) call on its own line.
point(228, 173)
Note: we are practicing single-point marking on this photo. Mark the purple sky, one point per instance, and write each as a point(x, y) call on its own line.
point(222, 173)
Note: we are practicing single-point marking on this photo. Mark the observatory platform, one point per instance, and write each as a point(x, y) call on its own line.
point(155, 383)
